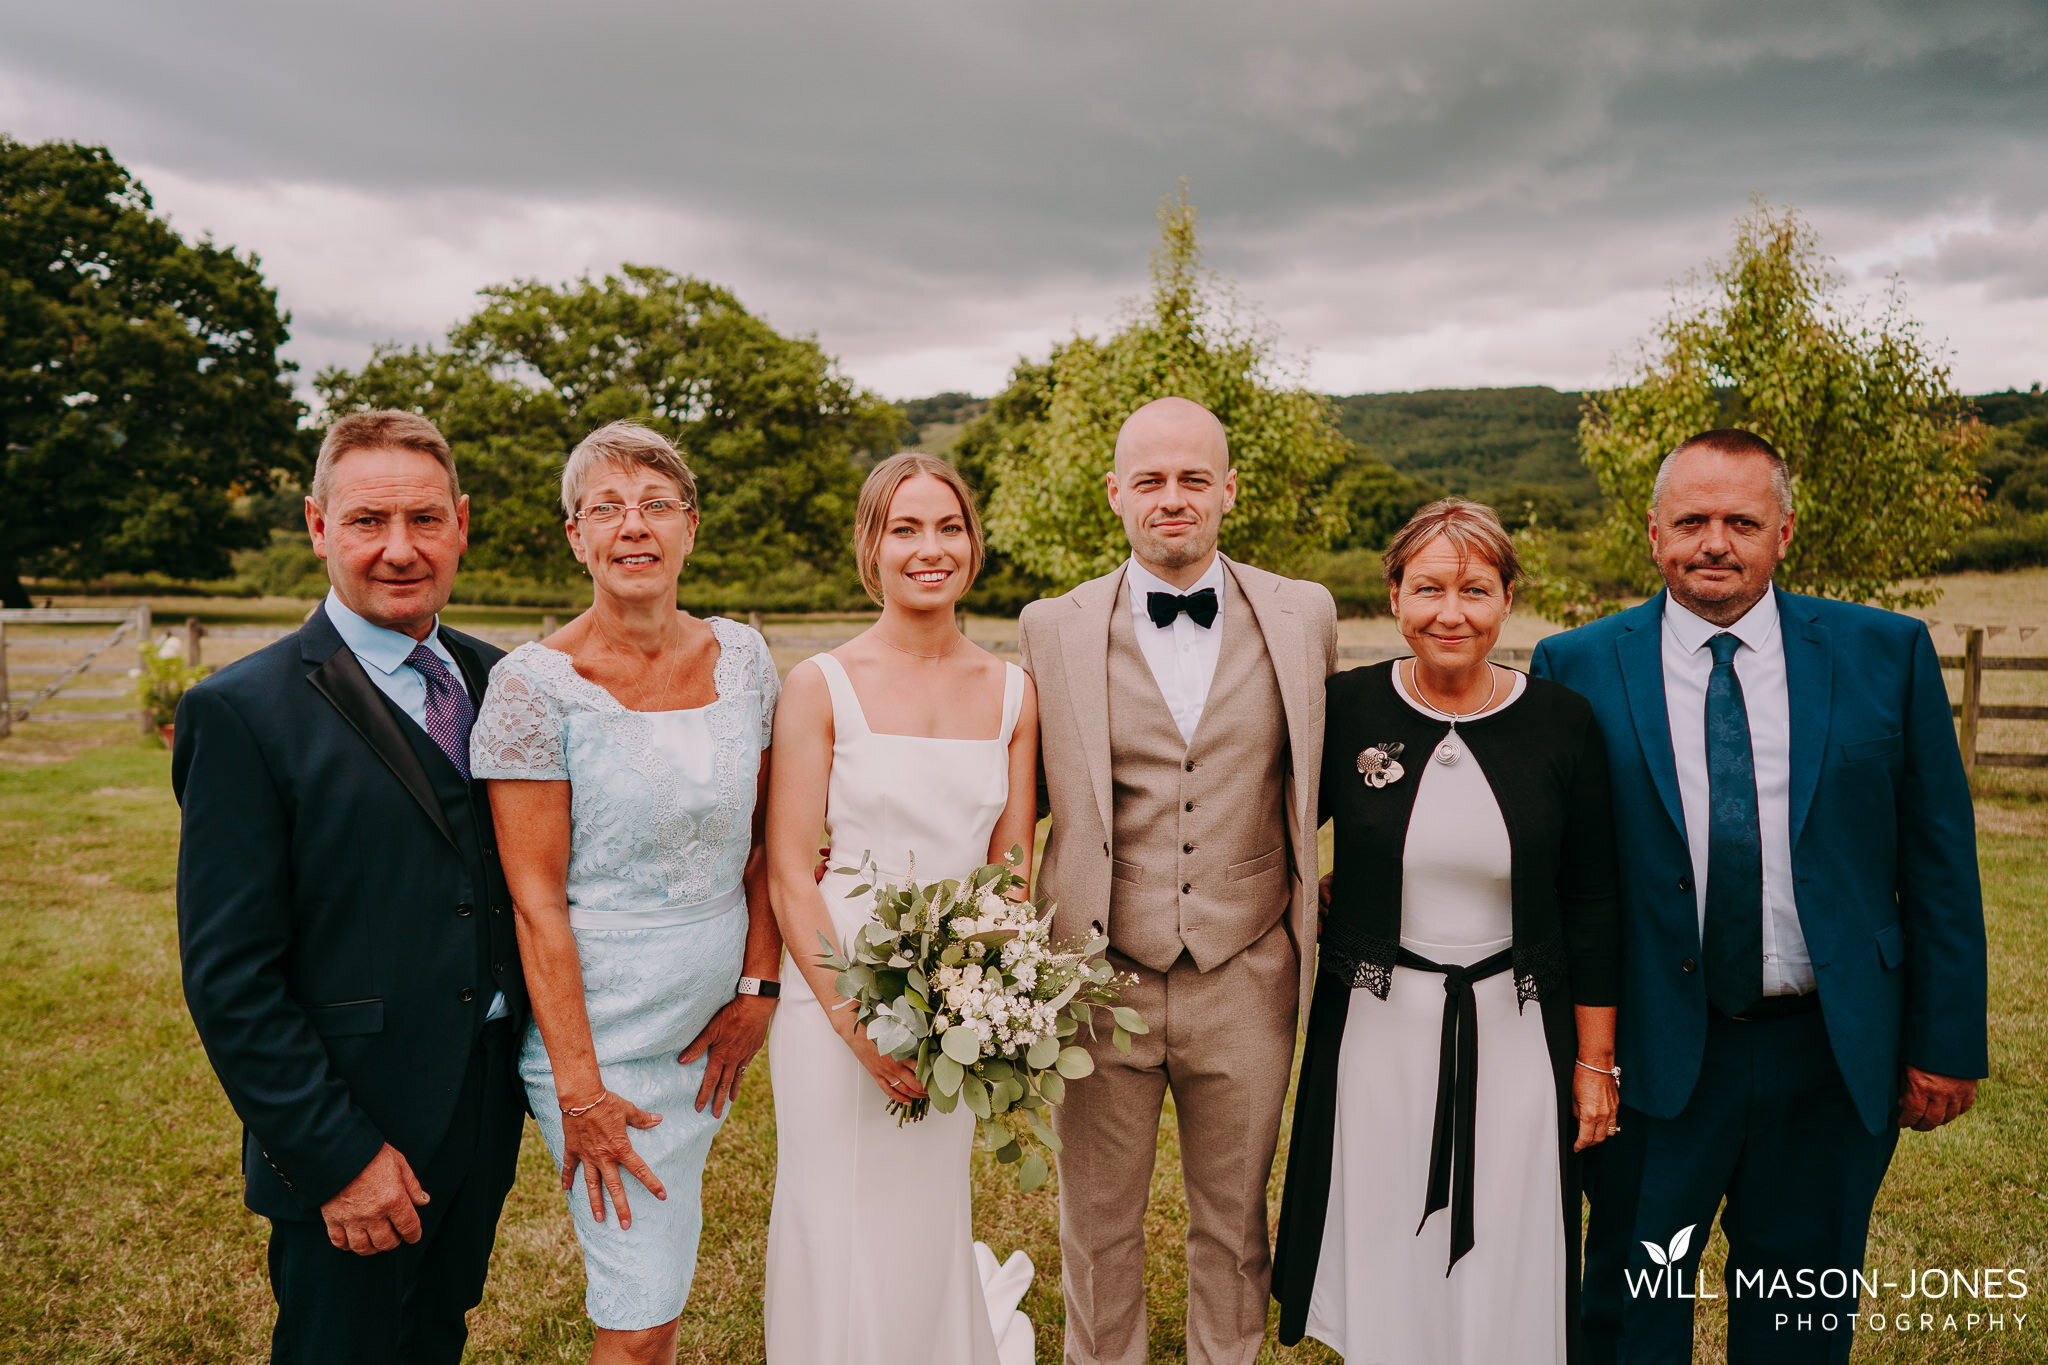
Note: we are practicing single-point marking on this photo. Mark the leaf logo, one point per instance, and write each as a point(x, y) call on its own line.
point(1676, 1251)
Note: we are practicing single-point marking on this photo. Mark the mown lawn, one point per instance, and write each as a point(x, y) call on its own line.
point(124, 1239)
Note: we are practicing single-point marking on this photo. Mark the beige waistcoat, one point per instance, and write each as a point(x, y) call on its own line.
point(1199, 826)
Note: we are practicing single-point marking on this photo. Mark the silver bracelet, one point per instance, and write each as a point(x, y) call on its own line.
point(1615, 1072)
point(580, 1110)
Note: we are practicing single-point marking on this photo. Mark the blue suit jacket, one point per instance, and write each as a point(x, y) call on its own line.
point(342, 921)
point(1884, 851)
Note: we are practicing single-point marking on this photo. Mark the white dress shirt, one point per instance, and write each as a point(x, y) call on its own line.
point(1183, 655)
point(1760, 668)
point(382, 652)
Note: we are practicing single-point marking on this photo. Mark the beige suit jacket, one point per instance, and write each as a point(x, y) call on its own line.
point(1065, 646)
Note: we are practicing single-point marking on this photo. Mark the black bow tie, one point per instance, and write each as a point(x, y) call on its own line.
point(1163, 607)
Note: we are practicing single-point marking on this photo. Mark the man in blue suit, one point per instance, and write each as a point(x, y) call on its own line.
point(1803, 969)
point(344, 929)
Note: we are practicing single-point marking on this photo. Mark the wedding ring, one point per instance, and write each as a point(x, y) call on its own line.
point(1613, 1130)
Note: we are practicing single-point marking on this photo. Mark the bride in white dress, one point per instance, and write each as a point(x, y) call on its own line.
point(906, 741)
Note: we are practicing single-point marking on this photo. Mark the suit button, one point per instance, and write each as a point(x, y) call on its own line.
point(1688, 966)
point(465, 995)
point(1190, 805)
point(1685, 883)
point(1187, 848)
point(497, 969)
point(1191, 765)
point(462, 909)
point(497, 909)
point(1186, 887)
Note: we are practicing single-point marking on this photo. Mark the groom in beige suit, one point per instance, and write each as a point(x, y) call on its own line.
point(1180, 703)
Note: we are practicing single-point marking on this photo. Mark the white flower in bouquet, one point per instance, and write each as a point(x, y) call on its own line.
point(962, 980)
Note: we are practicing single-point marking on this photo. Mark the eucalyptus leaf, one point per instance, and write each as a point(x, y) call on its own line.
point(1053, 1086)
point(1042, 1130)
point(1009, 1152)
point(1121, 1040)
point(1042, 1054)
point(961, 1043)
point(976, 1095)
point(1033, 1173)
point(995, 1137)
point(946, 1074)
point(1130, 1020)
point(1074, 1063)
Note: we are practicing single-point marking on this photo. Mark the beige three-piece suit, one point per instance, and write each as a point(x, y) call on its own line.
point(1199, 859)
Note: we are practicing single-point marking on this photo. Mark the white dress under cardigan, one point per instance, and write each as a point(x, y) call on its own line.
point(1381, 1296)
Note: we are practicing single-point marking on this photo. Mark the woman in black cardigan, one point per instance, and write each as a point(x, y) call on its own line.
point(1432, 1198)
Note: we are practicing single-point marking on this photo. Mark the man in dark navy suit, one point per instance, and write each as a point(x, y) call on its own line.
point(345, 932)
point(1803, 968)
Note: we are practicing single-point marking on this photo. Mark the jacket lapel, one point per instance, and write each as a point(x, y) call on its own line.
point(1640, 653)
point(1281, 627)
point(1809, 684)
point(339, 677)
point(1084, 650)
point(474, 675)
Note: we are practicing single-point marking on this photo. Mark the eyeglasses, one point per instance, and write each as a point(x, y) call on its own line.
point(654, 509)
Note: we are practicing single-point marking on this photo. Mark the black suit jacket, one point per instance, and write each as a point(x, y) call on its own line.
point(342, 921)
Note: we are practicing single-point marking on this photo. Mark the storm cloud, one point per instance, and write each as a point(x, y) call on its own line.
point(1416, 193)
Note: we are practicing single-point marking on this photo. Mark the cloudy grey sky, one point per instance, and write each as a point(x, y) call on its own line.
point(1415, 192)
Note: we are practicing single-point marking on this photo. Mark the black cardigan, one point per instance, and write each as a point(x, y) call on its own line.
point(1545, 761)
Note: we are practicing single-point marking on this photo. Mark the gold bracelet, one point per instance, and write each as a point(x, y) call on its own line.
point(578, 1111)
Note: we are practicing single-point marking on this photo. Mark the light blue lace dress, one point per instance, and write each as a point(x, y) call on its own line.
point(661, 821)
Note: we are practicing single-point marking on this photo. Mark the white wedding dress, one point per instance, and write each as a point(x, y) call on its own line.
point(871, 1251)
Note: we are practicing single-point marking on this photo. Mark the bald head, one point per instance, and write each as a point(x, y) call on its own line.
point(1171, 486)
point(1179, 425)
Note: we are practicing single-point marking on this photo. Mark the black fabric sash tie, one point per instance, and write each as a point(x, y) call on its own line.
point(1457, 1094)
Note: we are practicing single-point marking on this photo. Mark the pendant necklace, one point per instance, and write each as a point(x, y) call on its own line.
point(1450, 750)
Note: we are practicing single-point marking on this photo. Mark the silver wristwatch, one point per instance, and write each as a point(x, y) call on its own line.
point(754, 985)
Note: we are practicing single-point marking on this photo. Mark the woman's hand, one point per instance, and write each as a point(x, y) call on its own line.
point(732, 1038)
point(1596, 1100)
point(897, 1079)
point(599, 1143)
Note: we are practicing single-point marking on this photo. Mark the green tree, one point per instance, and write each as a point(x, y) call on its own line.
point(777, 436)
point(1881, 447)
point(1048, 512)
point(141, 391)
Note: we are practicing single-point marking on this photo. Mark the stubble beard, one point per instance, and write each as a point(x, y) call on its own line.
point(1722, 611)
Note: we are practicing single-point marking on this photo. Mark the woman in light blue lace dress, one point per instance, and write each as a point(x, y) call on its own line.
point(626, 755)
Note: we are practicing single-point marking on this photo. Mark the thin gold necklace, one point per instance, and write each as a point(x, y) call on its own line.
point(957, 638)
point(1450, 751)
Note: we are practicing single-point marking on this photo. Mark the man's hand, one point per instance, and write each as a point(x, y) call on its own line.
point(732, 1038)
point(378, 1209)
point(1932, 1100)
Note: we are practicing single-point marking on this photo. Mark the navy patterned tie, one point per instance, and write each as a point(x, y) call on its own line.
point(1734, 934)
point(449, 712)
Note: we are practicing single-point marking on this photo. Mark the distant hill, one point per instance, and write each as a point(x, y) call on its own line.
point(1496, 444)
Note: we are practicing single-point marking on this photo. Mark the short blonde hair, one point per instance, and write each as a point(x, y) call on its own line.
point(379, 429)
point(871, 514)
point(1472, 528)
point(624, 444)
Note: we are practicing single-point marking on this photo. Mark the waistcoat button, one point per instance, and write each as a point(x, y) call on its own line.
point(465, 995)
point(1186, 887)
point(462, 909)
point(1191, 805)
point(1191, 765)
point(1688, 965)
point(1187, 848)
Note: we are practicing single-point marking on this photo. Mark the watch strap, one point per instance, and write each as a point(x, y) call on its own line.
point(754, 985)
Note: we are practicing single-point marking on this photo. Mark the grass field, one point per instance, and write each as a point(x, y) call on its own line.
point(124, 1238)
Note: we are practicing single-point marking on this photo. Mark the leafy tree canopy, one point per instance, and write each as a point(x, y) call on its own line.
point(777, 437)
point(141, 390)
point(1881, 448)
point(1054, 433)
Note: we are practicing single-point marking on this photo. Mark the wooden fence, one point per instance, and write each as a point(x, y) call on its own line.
point(1971, 709)
point(32, 634)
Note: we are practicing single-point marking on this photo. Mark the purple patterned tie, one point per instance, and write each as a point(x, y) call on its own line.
point(449, 712)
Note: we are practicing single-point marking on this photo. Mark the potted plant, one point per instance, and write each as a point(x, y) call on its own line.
point(162, 680)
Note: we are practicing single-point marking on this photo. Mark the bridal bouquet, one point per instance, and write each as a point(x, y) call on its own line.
point(963, 981)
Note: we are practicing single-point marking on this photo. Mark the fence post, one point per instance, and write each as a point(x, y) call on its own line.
point(1973, 681)
point(143, 627)
point(194, 633)
point(547, 625)
point(754, 619)
point(6, 706)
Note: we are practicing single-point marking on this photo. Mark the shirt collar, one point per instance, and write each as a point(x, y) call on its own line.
point(1756, 627)
point(379, 648)
point(1142, 581)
